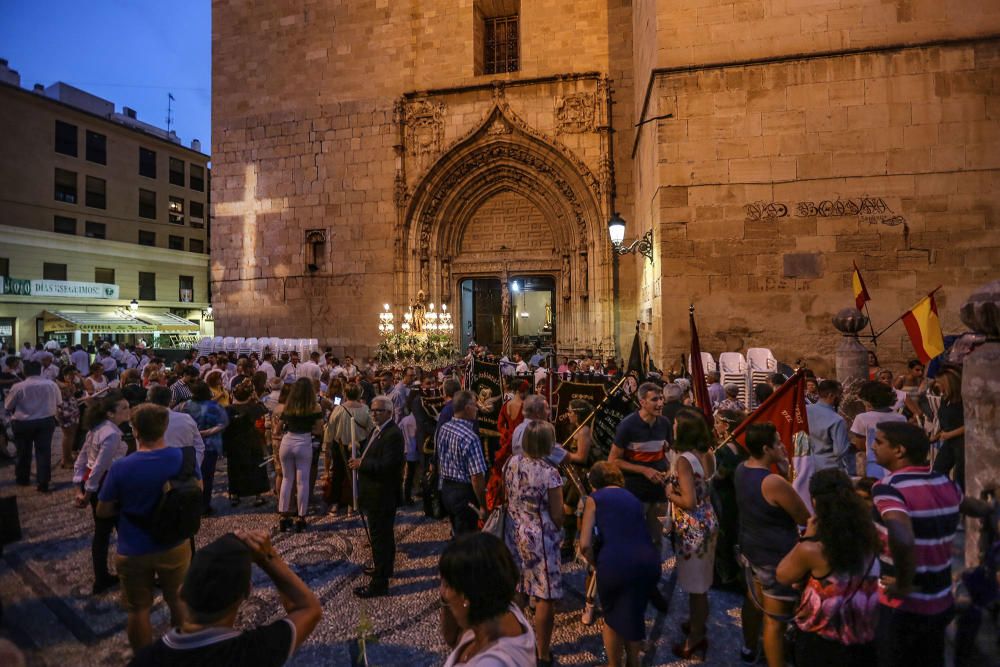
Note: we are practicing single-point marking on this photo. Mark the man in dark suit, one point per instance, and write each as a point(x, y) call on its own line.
point(380, 476)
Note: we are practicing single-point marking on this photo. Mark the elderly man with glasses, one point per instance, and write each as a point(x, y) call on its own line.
point(380, 477)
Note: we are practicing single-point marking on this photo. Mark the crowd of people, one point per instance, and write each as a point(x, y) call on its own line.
point(854, 556)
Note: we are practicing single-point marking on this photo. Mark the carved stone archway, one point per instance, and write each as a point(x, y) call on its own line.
point(504, 155)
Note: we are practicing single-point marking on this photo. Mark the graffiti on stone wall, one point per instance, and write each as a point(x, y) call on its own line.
point(872, 210)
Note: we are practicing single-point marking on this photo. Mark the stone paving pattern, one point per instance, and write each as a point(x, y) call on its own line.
point(45, 588)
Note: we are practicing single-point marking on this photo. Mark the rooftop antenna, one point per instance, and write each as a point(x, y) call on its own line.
point(170, 111)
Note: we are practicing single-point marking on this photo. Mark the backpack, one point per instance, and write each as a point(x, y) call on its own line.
point(177, 516)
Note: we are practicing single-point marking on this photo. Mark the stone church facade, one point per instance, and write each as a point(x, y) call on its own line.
point(367, 150)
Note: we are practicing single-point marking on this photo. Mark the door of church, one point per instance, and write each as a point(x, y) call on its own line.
point(482, 313)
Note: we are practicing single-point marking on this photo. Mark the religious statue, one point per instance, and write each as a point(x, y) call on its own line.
point(548, 313)
point(418, 313)
point(446, 281)
point(566, 283)
point(584, 287)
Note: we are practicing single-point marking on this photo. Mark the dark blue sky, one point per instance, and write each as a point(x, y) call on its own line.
point(129, 52)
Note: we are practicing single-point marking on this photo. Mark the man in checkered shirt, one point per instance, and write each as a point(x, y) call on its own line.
point(462, 466)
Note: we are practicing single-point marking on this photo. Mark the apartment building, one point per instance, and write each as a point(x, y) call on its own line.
point(104, 221)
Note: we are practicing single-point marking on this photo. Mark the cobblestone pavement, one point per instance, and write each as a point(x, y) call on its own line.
point(48, 610)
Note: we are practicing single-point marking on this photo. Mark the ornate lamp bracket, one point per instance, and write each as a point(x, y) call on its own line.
point(643, 246)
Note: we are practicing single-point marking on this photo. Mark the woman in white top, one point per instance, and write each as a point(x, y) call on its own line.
point(478, 617)
point(95, 382)
point(101, 448)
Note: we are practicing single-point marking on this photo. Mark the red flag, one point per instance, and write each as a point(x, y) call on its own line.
point(786, 409)
point(858, 287)
point(698, 383)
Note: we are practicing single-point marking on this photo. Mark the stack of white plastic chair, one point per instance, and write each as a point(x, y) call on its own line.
point(707, 364)
point(241, 347)
point(251, 345)
point(265, 345)
point(302, 345)
point(204, 346)
point(229, 344)
point(733, 370)
point(288, 345)
point(762, 365)
point(217, 344)
point(314, 345)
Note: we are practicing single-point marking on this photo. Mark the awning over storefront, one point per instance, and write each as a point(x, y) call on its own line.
point(109, 322)
point(168, 323)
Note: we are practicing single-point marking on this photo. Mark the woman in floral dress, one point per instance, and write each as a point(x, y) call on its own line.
point(535, 508)
point(695, 525)
point(68, 412)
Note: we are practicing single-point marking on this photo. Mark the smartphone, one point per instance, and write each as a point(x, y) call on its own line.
point(336, 400)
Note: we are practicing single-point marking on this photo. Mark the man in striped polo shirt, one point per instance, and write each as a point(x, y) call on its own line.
point(917, 513)
point(640, 450)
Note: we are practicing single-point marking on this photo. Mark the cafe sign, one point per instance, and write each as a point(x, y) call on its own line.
point(59, 288)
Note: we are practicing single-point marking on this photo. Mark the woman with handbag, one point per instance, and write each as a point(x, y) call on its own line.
point(836, 561)
point(535, 510)
point(614, 538)
point(103, 445)
point(695, 525)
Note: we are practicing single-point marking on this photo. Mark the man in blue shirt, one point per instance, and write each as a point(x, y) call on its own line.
point(133, 488)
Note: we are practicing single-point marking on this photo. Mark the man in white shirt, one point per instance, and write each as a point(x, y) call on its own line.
point(535, 408)
point(129, 360)
point(290, 371)
point(182, 429)
point(520, 365)
point(27, 352)
point(878, 398)
point(336, 370)
point(311, 369)
point(49, 370)
point(349, 368)
point(266, 366)
point(81, 360)
point(32, 405)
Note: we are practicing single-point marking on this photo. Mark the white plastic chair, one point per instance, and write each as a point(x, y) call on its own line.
point(733, 369)
point(762, 364)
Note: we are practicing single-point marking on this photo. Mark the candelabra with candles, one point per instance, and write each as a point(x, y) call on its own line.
point(386, 321)
point(433, 344)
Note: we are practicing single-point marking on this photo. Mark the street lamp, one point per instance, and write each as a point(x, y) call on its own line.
point(133, 305)
point(642, 245)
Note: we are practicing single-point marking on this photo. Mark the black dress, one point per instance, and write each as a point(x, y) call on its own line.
point(243, 445)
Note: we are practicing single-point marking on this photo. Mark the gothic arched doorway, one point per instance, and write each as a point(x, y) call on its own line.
point(506, 201)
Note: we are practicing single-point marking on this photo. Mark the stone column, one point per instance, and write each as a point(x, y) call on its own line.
point(851, 356)
point(505, 316)
point(981, 398)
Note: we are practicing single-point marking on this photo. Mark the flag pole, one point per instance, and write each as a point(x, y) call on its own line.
point(871, 325)
point(931, 293)
point(596, 407)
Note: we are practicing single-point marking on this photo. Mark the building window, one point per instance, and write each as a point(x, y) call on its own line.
point(501, 45)
point(96, 230)
point(65, 138)
point(147, 238)
point(175, 242)
point(106, 276)
point(196, 245)
point(65, 186)
point(196, 211)
point(186, 284)
point(96, 192)
point(5, 267)
point(175, 211)
point(176, 172)
point(64, 225)
point(147, 204)
point(97, 147)
point(53, 271)
point(197, 178)
point(147, 162)
point(147, 286)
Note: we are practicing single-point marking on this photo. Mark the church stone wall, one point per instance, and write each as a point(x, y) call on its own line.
point(699, 32)
point(775, 178)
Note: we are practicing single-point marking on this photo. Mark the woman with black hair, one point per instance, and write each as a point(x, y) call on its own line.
point(695, 524)
point(479, 619)
point(103, 446)
point(580, 458)
point(951, 425)
point(728, 455)
point(837, 559)
point(68, 411)
point(770, 513)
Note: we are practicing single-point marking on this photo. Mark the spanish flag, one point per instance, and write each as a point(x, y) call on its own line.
point(860, 291)
point(924, 327)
